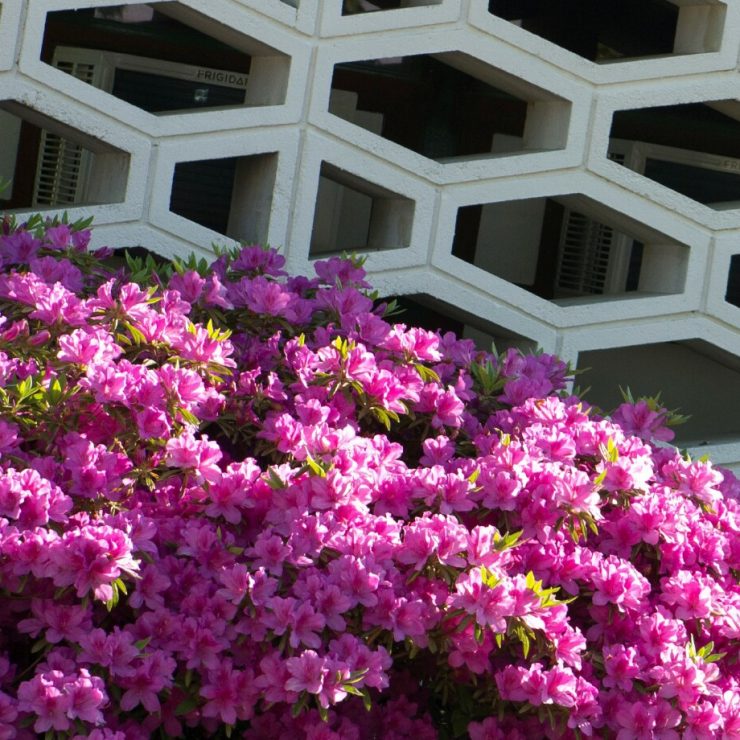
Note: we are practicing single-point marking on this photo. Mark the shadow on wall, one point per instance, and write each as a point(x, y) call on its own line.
point(693, 376)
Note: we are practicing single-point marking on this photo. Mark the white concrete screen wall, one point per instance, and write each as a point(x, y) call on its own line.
point(575, 190)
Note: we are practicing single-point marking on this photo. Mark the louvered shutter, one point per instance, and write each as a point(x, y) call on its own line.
point(585, 247)
point(63, 165)
point(58, 179)
point(587, 258)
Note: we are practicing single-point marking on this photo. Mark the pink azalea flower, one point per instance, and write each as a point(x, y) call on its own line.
point(200, 455)
point(307, 672)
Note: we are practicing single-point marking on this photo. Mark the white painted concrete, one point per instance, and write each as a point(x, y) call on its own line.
point(403, 206)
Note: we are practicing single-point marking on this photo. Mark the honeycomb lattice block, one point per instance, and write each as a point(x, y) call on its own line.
point(539, 180)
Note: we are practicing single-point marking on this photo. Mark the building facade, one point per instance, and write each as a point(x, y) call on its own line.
point(553, 173)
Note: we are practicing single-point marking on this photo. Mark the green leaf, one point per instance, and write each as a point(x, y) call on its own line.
point(315, 467)
point(136, 335)
point(426, 373)
point(39, 645)
point(465, 623)
point(509, 540)
point(412, 647)
point(392, 309)
point(489, 578)
point(55, 391)
point(134, 263)
point(626, 394)
point(524, 637)
point(188, 416)
point(82, 223)
point(215, 333)
point(300, 705)
point(609, 451)
point(357, 676)
point(382, 416)
point(534, 584)
point(25, 388)
point(487, 377)
point(341, 346)
point(274, 480)
point(118, 587)
point(186, 706)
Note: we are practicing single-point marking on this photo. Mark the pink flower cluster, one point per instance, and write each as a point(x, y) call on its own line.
point(238, 501)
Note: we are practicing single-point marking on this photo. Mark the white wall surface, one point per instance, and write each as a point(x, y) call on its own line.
point(572, 101)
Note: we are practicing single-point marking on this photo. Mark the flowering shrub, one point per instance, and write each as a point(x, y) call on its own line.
point(237, 501)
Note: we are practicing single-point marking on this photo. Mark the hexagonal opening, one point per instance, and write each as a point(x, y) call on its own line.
point(352, 7)
point(143, 54)
point(420, 309)
point(50, 165)
point(569, 249)
point(613, 30)
point(448, 105)
point(732, 294)
point(231, 195)
point(353, 214)
point(693, 149)
point(701, 379)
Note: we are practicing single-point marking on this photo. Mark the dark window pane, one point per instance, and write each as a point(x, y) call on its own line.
point(157, 93)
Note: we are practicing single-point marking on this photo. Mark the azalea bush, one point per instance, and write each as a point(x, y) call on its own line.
point(239, 503)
